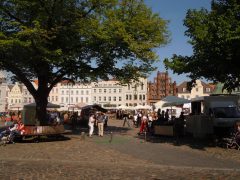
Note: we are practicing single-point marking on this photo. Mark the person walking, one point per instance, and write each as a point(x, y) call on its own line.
point(91, 122)
point(144, 125)
point(126, 119)
point(100, 120)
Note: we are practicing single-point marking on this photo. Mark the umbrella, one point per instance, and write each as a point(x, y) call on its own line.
point(174, 101)
point(80, 105)
point(159, 104)
point(142, 107)
point(122, 107)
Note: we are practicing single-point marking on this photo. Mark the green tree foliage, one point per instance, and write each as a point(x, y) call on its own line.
point(215, 37)
point(83, 40)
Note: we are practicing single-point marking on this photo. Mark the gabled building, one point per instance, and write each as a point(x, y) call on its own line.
point(15, 96)
point(200, 89)
point(161, 87)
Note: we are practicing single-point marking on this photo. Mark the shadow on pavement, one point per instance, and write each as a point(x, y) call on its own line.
point(194, 143)
point(42, 138)
point(107, 130)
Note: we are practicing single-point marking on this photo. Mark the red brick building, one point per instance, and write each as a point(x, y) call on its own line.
point(161, 87)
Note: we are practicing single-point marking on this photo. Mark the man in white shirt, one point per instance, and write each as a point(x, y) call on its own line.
point(91, 122)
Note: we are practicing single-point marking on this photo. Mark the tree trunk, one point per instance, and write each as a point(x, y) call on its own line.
point(41, 109)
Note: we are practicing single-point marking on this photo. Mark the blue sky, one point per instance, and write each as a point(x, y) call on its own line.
point(175, 12)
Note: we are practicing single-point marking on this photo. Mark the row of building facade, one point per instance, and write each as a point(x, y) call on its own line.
point(105, 93)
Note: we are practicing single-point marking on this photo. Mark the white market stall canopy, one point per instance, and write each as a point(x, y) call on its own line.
point(174, 101)
point(171, 101)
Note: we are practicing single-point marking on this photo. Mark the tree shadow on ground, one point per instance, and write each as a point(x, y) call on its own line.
point(78, 130)
point(43, 138)
point(194, 143)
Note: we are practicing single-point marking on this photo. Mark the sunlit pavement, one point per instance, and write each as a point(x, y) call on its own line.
point(120, 154)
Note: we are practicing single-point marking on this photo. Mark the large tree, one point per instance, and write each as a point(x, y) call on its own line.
point(84, 40)
point(215, 38)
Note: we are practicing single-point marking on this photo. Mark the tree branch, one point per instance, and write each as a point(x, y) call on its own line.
point(16, 71)
point(12, 16)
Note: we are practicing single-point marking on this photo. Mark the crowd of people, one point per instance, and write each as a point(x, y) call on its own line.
point(143, 119)
point(146, 120)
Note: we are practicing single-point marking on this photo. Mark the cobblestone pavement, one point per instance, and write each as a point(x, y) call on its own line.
point(124, 156)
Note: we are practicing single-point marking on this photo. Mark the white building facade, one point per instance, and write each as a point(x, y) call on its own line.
point(70, 94)
point(108, 94)
point(135, 93)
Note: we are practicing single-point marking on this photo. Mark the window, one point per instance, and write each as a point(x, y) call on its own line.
point(67, 92)
point(104, 98)
point(94, 90)
point(87, 92)
point(104, 90)
point(130, 97)
point(56, 98)
point(208, 90)
point(109, 98)
point(144, 98)
point(120, 98)
point(62, 100)
point(76, 99)
point(126, 97)
point(94, 98)
point(99, 98)
point(81, 99)
point(114, 90)
point(120, 90)
point(66, 99)
point(135, 96)
point(77, 92)
point(82, 92)
point(114, 98)
point(109, 90)
point(71, 99)
point(62, 92)
point(100, 90)
point(86, 99)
